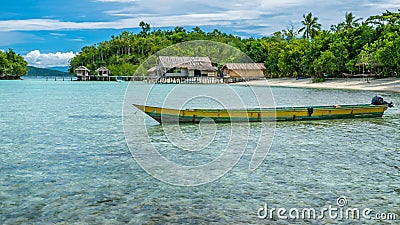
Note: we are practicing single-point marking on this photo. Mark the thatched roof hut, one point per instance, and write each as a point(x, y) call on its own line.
point(82, 73)
point(368, 64)
point(153, 71)
point(200, 63)
point(244, 70)
point(367, 60)
point(182, 66)
point(82, 69)
point(103, 72)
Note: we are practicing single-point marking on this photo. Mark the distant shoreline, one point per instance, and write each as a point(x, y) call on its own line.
point(390, 84)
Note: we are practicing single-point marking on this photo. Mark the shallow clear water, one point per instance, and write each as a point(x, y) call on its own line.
point(63, 158)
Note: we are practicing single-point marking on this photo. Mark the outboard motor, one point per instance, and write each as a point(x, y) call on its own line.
point(378, 100)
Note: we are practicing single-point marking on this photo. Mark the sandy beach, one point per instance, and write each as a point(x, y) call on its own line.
point(387, 84)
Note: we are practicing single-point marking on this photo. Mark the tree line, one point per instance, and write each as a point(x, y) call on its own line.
point(12, 65)
point(353, 46)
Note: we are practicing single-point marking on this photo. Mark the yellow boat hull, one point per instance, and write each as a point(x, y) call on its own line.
point(167, 115)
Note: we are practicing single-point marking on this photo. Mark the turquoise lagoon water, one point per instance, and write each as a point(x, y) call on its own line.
point(64, 159)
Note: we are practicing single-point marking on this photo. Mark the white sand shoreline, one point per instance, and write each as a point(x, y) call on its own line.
point(385, 85)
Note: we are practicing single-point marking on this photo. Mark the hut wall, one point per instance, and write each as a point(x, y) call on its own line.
point(211, 73)
point(184, 72)
point(191, 73)
point(246, 73)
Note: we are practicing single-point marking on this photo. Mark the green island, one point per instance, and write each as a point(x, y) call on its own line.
point(12, 65)
point(349, 47)
point(353, 46)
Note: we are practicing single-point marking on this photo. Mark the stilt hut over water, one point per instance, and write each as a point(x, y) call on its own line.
point(154, 71)
point(182, 68)
point(243, 71)
point(103, 73)
point(82, 73)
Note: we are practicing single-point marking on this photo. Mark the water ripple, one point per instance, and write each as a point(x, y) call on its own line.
point(64, 160)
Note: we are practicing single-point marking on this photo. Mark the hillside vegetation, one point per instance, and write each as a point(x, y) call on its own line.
point(352, 46)
point(43, 72)
point(12, 65)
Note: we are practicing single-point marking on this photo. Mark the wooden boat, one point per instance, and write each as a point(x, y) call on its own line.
point(167, 115)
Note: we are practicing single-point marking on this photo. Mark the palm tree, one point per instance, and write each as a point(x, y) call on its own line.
point(289, 33)
point(311, 26)
point(336, 28)
point(386, 18)
point(145, 28)
point(350, 21)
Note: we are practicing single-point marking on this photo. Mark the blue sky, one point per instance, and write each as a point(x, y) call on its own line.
point(48, 32)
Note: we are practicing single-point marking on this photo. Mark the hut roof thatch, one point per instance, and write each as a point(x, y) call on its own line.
point(81, 68)
point(199, 63)
point(152, 69)
point(103, 69)
point(367, 61)
point(245, 66)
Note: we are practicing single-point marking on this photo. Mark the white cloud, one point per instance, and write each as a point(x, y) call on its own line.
point(252, 17)
point(44, 60)
point(178, 20)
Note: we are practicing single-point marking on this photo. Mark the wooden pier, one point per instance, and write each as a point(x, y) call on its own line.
point(184, 80)
point(197, 80)
point(161, 80)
